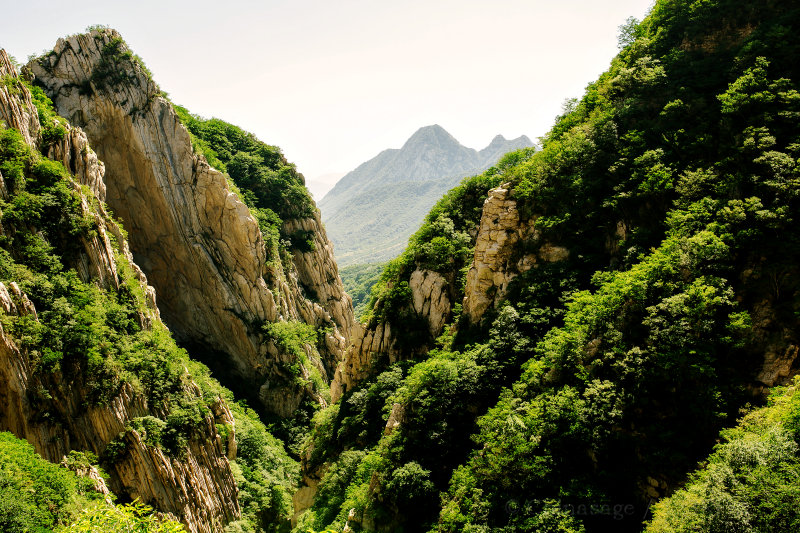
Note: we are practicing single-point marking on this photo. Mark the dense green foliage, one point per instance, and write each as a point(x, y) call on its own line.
point(750, 481)
point(92, 339)
point(441, 392)
point(265, 474)
point(121, 519)
point(651, 363)
point(269, 185)
point(52, 125)
point(358, 281)
point(36, 495)
point(673, 184)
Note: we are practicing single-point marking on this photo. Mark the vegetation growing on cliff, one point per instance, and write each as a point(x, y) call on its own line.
point(36, 495)
point(442, 244)
point(82, 331)
point(101, 338)
point(269, 185)
point(604, 377)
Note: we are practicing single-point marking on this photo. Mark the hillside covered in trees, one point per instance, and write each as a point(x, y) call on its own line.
point(652, 295)
point(596, 334)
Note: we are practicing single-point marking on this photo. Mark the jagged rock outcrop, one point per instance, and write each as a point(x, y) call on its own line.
point(395, 419)
point(317, 274)
point(93, 473)
point(199, 245)
point(56, 414)
point(431, 301)
point(74, 152)
point(497, 258)
point(367, 345)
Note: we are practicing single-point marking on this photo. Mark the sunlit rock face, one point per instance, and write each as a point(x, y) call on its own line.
point(198, 244)
point(199, 489)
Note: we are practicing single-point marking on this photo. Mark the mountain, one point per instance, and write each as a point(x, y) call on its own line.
point(370, 213)
point(136, 239)
point(597, 314)
point(566, 345)
point(320, 185)
point(86, 363)
point(216, 256)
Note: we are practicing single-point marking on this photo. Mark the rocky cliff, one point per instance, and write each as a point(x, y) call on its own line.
point(57, 411)
point(499, 255)
point(431, 298)
point(197, 242)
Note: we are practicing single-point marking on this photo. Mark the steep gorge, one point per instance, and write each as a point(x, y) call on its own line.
point(562, 340)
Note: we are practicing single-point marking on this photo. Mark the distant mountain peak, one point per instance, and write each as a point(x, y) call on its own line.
point(500, 146)
point(373, 210)
point(433, 134)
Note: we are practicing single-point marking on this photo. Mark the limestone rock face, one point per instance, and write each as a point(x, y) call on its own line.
point(74, 153)
point(198, 244)
point(17, 111)
point(497, 258)
point(395, 419)
point(367, 345)
point(316, 278)
point(199, 489)
point(431, 297)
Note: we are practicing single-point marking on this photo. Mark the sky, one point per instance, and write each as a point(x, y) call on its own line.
point(333, 83)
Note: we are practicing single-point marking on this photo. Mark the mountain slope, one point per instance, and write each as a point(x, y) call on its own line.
point(226, 265)
point(246, 273)
point(372, 211)
point(617, 298)
point(85, 361)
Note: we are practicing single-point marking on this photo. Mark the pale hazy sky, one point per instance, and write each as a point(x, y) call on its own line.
point(335, 82)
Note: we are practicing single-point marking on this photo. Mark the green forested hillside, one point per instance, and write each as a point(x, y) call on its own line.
point(603, 378)
point(91, 338)
point(358, 281)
